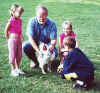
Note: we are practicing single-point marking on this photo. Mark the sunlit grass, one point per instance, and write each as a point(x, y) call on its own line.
point(85, 17)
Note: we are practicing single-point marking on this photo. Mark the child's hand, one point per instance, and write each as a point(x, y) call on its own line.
point(60, 67)
point(7, 36)
point(59, 70)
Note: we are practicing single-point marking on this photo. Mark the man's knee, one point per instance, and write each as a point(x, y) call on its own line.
point(26, 47)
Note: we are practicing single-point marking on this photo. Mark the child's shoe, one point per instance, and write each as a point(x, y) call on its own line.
point(14, 73)
point(80, 86)
point(20, 71)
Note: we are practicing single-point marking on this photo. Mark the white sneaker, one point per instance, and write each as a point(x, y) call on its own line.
point(20, 71)
point(32, 64)
point(14, 73)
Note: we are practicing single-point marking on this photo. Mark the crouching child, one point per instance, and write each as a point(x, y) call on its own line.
point(77, 66)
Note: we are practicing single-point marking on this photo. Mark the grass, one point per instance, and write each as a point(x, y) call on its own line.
point(85, 17)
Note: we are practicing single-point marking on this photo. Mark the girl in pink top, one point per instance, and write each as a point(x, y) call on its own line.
point(67, 31)
point(13, 33)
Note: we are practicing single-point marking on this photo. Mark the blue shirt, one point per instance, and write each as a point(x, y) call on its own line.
point(40, 32)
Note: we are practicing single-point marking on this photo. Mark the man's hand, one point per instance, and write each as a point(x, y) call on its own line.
point(34, 45)
point(51, 47)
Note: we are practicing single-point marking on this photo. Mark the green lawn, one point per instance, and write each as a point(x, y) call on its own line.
point(85, 17)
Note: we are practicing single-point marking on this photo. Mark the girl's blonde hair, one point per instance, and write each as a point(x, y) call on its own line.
point(67, 23)
point(21, 9)
point(13, 9)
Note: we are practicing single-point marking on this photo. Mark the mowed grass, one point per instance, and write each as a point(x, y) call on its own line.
point(85, 17)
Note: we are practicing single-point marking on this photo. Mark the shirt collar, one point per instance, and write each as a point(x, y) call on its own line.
point(47, 21)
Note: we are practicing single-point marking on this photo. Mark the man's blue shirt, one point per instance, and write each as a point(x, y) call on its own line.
point(42, 33)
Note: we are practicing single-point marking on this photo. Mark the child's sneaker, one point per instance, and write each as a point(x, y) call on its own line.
point(20, 71)
point(14, 73)
point(82, 87)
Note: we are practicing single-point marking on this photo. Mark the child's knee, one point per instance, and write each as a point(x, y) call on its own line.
point(12, 61)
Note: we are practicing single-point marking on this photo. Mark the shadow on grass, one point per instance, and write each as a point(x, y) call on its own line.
point(32, 73)
point(54, 65)
point(96, 85)
point(37, 70)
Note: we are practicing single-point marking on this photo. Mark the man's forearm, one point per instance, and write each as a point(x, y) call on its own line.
point(33, 43)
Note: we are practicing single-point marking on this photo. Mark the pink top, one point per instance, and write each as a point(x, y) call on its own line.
point(16, 26)
point(62, 36)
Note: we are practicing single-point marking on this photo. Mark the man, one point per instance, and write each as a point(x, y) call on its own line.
point(39, 29)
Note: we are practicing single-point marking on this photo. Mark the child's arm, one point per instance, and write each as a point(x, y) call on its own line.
point(7, 30)
point(22, 37)
point(59, 48)
point(62, 50)
point(77, 46)
point(69, 62)
point(59, 45)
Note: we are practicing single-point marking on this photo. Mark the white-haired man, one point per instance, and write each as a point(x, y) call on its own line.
point(39, 29)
